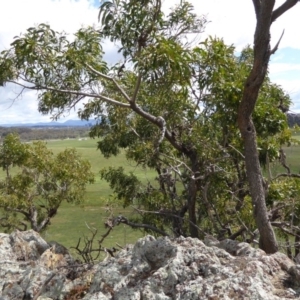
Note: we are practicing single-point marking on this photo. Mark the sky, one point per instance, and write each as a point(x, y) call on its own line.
point(232, 20)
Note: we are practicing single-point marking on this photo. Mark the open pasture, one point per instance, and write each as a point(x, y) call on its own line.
point(72, 220)
point(292, 159)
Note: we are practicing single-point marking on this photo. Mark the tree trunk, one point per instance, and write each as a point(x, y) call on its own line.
point(192, 209)
point(192, 194)
point(267, 240)
point(297, 245)
point(252, 86)
point(33, 218)
point(265, 16)
point(288, 246)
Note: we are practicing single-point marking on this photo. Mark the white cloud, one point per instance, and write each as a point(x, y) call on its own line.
point(233, 20)
point(67, 15)
point(16, 17)
point(279, 68)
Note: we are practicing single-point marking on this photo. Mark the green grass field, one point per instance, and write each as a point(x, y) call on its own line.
point(292, 158)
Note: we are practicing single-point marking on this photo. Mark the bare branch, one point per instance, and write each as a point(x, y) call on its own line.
point(276, 46)
point(208, 211)
point(107, 225)
point(134, 131)
point(274, 212)
point(288, 4)
point(88, 249)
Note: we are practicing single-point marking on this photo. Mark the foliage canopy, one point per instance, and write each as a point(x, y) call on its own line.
point(37, 182)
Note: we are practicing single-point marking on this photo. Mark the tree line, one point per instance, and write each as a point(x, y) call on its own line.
point(27, 134)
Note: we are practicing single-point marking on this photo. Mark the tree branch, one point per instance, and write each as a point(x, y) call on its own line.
point(178, 161)
point(16, 210)
point(282, 159)
point(163, 127)
point(156, 121)
point(110, 79)
point(43, 224)
point(244, 225)
point(287, 175)
point(137, 87)
point(121, 219)
point(239, 152)
point(238, 233)
point(276, 46)
point(283, 225)
point(76, 93)
point(176, 169)
point(168, 213)
point(288, 4)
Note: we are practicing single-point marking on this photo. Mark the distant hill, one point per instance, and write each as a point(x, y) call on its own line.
point(293, 119)
point(69, 123)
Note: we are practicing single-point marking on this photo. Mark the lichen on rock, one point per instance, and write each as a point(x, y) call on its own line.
point(162, 268)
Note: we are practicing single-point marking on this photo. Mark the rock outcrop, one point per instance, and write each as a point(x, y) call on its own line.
point(183, 268)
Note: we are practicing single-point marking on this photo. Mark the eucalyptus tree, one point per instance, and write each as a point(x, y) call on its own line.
point(36, 182)
point(170, 103)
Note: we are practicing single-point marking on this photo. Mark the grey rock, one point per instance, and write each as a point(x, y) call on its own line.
point(160, 269)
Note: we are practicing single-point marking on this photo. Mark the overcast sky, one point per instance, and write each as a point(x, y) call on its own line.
point(233, 20)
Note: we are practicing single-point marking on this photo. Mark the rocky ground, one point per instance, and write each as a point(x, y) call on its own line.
point(162, 268)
